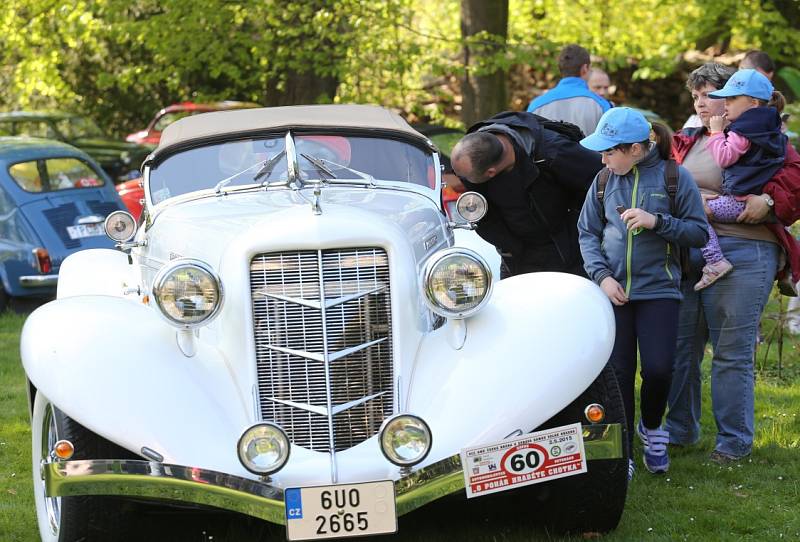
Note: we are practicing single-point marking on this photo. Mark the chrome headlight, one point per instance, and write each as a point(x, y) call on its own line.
point(187, 292)
point(405, 440)
point(263, 448)
point(457, 282)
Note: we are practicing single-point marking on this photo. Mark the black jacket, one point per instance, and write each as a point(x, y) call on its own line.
point(551, 183)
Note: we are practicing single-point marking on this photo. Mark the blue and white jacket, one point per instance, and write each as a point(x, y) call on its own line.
point(645, 262)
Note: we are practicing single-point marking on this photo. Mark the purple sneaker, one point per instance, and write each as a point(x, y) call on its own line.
point(656, 459)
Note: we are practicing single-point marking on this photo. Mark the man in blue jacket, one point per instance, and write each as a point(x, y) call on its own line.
point(572, 100)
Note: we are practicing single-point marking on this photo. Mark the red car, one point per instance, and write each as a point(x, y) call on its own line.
point(131, 193)
point(152, 134)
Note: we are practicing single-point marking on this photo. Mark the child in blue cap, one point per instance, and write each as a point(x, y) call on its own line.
point(750, 150)
point(629, 240)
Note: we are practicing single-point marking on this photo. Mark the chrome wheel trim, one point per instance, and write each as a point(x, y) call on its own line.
point(52, 505)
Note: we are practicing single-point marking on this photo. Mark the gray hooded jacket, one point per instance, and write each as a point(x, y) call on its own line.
point(645, 262)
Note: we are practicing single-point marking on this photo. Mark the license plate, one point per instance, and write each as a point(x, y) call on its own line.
point(84, 230)
point(341, 510)
point(521, 461)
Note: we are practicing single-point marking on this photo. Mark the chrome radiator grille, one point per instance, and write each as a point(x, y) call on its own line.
point(324, 344)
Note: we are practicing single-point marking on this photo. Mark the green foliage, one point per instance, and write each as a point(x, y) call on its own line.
point(121, 60)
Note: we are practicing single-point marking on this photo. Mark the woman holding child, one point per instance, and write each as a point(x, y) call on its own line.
point(727, 309)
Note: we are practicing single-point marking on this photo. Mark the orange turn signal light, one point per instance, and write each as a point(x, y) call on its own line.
point(63, 449)
point(595, 413)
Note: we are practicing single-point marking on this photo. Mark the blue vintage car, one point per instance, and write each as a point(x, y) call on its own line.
point(53, 201)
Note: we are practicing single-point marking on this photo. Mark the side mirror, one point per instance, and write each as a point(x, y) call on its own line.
point(471, 206)
point(120, 226)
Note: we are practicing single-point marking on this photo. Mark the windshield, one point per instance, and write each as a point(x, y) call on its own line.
point(77, 128)
point(239, 163)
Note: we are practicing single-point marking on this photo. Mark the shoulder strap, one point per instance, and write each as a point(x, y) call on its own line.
point(602, 181)
point(671, 175)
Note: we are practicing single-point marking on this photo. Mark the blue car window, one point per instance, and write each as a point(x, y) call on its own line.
point(28, 176)
point(54, 174)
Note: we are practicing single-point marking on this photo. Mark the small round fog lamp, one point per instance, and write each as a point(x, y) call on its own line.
point(263, 448)
point(120, 226)
point(471, 206)
point(405, 440)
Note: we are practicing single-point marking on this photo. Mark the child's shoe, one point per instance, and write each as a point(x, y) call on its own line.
point(656, 459)
point(712, 272)
point(631, 469)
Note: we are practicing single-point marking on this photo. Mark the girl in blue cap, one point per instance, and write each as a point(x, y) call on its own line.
point(629, 240)
point(750, 150)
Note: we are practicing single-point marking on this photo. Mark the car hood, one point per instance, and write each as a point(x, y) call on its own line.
point(209, 228)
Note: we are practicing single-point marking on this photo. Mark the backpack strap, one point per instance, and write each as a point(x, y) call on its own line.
point(602, 181)
point(671, 176)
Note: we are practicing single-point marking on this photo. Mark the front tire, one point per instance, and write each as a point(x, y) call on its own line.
point(73, 519)
point(593, 501)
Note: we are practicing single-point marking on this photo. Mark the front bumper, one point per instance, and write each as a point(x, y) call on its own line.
point(146, 479)
point(38, 281)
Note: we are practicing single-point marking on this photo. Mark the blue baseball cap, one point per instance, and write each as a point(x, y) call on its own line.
point(751, 83)
point(618, 125)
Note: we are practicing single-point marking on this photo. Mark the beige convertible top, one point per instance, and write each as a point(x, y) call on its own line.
point(221, 123)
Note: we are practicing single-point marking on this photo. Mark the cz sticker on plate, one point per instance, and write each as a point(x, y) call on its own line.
point(521, 461)
point(341, 510)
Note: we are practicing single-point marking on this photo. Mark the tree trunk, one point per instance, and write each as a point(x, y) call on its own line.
point(483, 90)
point(790, 9)
point(301, 88)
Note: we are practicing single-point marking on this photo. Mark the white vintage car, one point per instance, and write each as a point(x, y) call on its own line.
point(290, 333)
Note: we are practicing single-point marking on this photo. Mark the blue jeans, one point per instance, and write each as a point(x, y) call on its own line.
point(727, 312)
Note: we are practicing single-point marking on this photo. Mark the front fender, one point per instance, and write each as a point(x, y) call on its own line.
point(539, 343)
point(133, 385)
point(110, 273)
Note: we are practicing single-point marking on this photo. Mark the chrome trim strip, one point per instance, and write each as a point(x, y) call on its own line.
point(331, 357)
point(134, 478)
point(328, 397)
point(38, 281)
point(322, 411)
point(353, 349)
point(328, 303)
point(354, 403)
point(145, 479)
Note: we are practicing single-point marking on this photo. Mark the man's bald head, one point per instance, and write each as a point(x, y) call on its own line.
point(599, 82)
point(475, 154)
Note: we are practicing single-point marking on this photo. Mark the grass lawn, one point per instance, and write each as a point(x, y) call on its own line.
point(756, 499)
